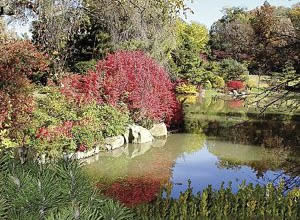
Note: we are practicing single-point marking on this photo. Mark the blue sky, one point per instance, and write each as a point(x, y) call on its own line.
point(208, 11)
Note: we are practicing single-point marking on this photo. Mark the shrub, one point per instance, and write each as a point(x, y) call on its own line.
point(249, 202)
point(82, 89)
point(52, 122)
point(113, 121)
point(138, 81)
point(233, 70)
point(219, 82)
point(19, 62)
point(186, 89)
point(61, 126)
point(251, 83)
point(235, 85)
point(57, 190)
point(84, 66)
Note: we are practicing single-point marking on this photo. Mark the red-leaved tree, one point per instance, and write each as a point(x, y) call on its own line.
point(136, 79)
point(128, 77)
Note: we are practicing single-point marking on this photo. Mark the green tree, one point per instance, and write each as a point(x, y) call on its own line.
point(232, 36)
point(186, 62)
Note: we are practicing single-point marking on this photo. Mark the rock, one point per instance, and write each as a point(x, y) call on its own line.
point(126, 136)
point(159, 130)
point(139, 135)
point(244, 93)
point(230, 93)
point(235, 93)
point(114, 142)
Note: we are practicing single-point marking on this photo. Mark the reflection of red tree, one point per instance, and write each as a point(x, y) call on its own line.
point(134, 190)
point(235, 103)
point(144, 180)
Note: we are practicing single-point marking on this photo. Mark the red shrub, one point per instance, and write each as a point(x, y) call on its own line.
point(64, 130)
point(82, 89)
point(19, 61)
point(137, 80)
point(132, 78)
point(235, 85)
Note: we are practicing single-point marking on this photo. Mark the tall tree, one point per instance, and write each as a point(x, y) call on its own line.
point(232, 36)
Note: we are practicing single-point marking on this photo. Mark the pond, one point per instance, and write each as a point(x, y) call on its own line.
point(217, 148)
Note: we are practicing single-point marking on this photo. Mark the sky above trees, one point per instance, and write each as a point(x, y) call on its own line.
point(205, 11)
point(209, 11)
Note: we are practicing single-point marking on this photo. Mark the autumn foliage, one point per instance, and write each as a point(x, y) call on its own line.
point(129, 77)
point(137, 80)
point(19, 61)
point(235, 85)
point(82, 89)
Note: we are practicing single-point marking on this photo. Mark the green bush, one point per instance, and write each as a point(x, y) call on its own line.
point(113, 122)
point(59, 125)
point(233, 70)
point(83, 66)
point(218, 82)
point(52, 111)
point(186, 89)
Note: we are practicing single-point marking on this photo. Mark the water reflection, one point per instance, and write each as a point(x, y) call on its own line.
point(235, 121)
point(136, 173)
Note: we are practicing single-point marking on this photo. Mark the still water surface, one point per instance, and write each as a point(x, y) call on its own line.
point(205, 161)
point(225, 141)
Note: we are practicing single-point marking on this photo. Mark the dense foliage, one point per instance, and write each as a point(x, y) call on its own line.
point(138, 81)
point(94, 66)
point(60, 125)
point(186, 62)
point(20, 63)
point(58, 190)
point(249, 202)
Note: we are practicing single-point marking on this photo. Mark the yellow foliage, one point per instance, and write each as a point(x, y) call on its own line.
point(186, 89)
point(195, 33)
point(188, 99)
point(251, 83)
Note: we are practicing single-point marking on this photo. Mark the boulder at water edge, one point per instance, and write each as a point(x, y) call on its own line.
point(114, 142)
point(139, 135)
point(159, 130)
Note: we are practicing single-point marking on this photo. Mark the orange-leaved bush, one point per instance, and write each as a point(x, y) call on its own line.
point(134, 78)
